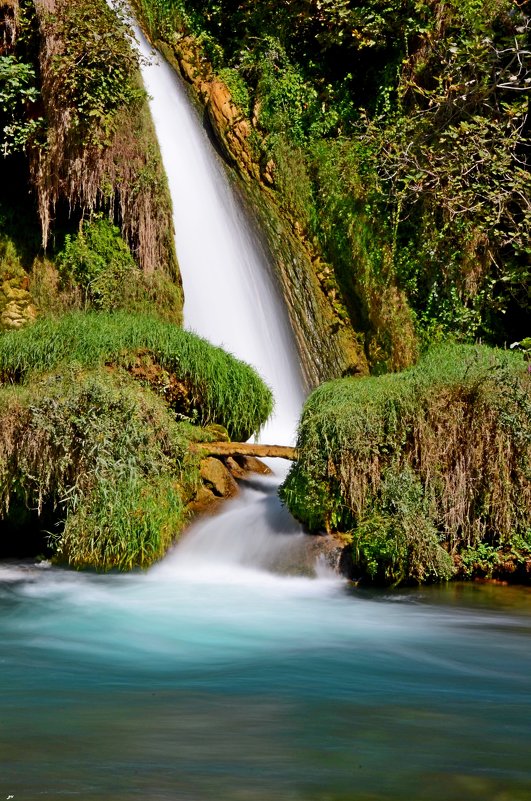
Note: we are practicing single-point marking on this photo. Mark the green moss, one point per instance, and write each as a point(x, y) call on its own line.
point(410, 463)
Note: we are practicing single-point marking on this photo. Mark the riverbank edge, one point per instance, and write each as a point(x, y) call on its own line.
point(424, 475)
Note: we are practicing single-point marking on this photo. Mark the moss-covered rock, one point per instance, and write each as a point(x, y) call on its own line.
point(217, 478)
point(420, 469)
point(16, 303)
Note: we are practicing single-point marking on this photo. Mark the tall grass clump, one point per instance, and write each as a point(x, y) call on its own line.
point(420, 468)
point(125, 525)
point(219, 388)
point(104, 457)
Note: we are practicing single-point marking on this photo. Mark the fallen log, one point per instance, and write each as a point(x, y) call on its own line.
point(244, 449)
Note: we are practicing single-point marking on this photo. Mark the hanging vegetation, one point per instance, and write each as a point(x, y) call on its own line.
point(99, 148)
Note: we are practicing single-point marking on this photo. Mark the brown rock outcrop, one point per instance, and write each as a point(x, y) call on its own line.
point(217, 478)
point(232, 129)
point(16, 304)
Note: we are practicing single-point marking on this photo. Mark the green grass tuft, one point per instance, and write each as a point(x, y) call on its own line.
point(106, 460)
point(224, 390)
point(125, 525)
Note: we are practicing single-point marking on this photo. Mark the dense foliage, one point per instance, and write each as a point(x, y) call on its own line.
point(96, 270)
point(395, 137)
point(77, 140)
point(400, 136)
point(421, 466)
point(96, 414)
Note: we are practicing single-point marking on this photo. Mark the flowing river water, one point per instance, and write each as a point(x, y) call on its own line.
point(216, 676)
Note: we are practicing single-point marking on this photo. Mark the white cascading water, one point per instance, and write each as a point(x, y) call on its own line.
point(231, 300)
point(230, 296)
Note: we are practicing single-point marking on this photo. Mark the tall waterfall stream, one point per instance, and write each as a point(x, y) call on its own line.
point(212, 677)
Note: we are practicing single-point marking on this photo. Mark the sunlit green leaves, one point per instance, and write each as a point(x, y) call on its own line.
point(92, 71)
point(18, 95)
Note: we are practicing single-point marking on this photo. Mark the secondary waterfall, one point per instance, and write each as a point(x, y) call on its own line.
point(230, 295)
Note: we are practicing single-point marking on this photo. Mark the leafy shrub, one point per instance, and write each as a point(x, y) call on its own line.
point(399, 541)
point(99, 261)
point(18, 91)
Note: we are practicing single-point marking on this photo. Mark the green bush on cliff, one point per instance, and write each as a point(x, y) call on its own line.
point(99, 262)
point(97, 271)
point(18, 91)
point(420, 466)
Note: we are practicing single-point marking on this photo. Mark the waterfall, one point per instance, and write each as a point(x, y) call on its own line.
point(230, 299)
point(230, 295)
